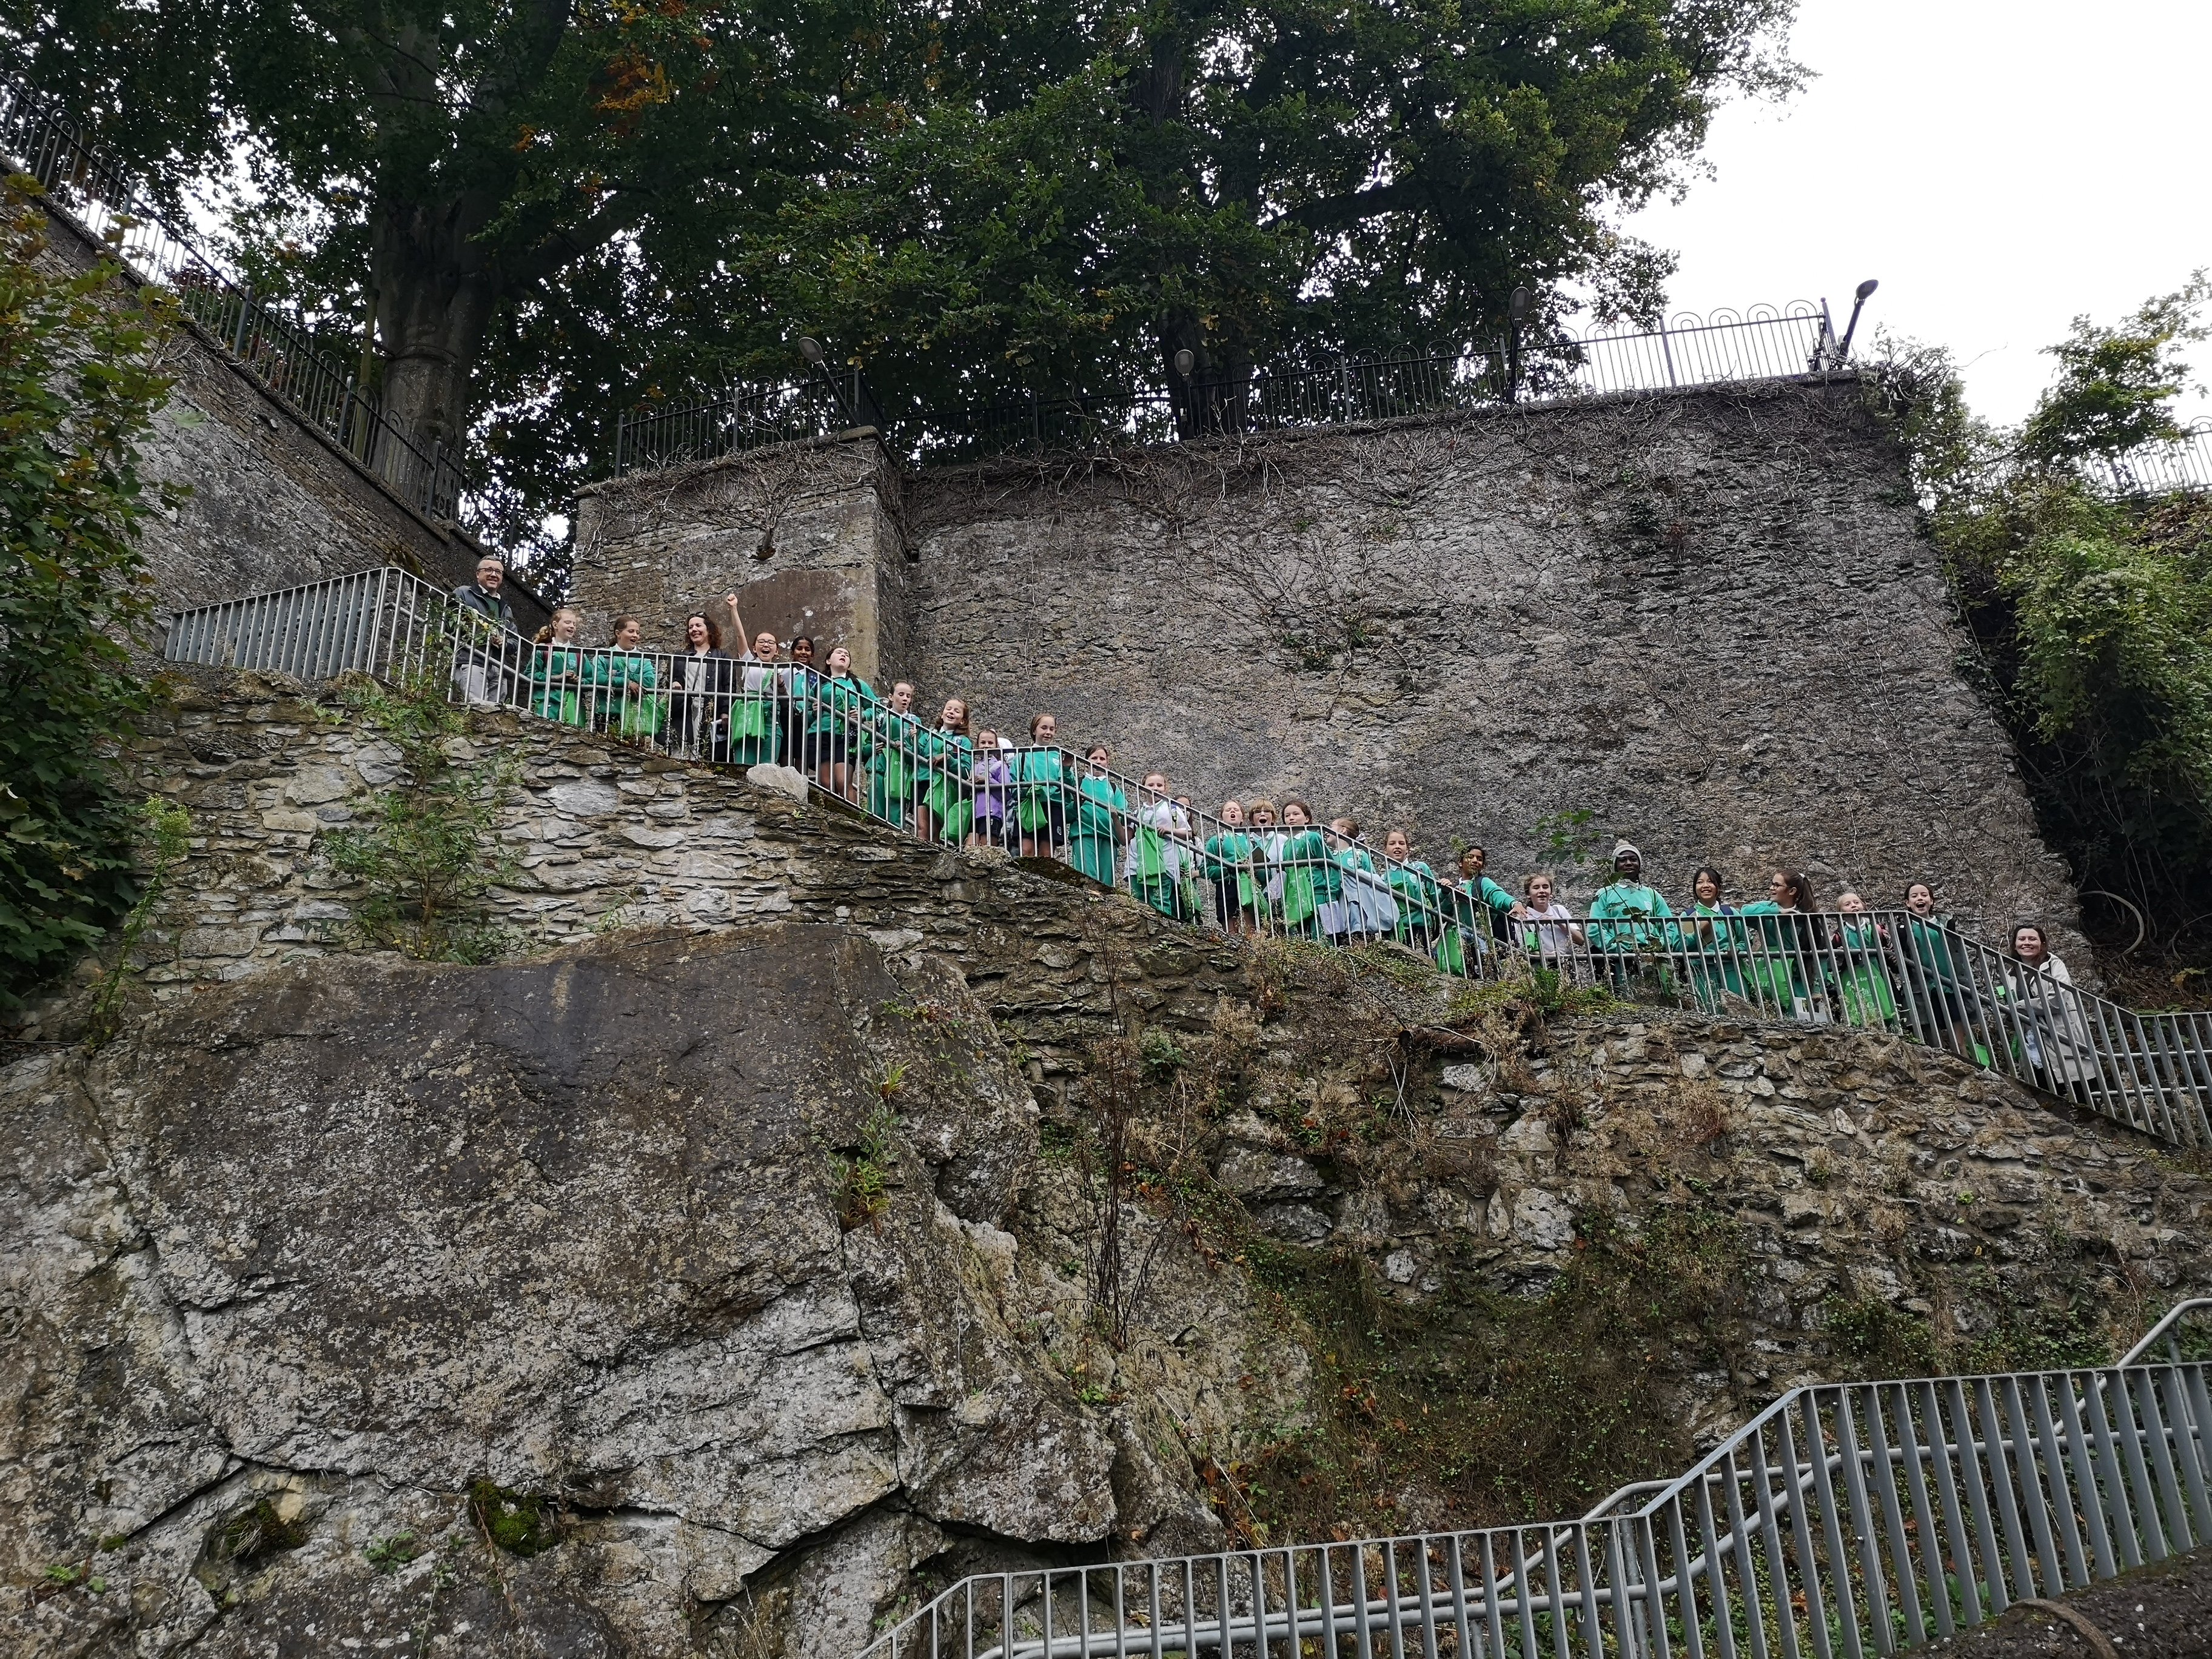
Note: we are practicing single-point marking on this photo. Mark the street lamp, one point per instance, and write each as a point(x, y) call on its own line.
point(1859, 304)
point(1185, 361)
point(810, 349)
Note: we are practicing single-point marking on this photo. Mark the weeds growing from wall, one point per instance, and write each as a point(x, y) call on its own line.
point(166, 829)
point(426, 855)
point(863, 1173)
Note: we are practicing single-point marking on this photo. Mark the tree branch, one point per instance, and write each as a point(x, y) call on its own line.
point(1335, 212)
point(571, 242)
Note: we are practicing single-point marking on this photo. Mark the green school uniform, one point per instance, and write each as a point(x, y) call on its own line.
point(756, 722)
point(1716, 964)
point(1420, 902)
point(1155, 866)
point(1311, 879)
point(895, 771)
point(1866, 996)
point(847, 704)
point(1625, 916)
point(1091, 838)
point(1040, 779)
point(951, 758)
point(624, 681)
point(1777, 971)
point(552, 695)
point(1228, 858)
point(1468, 930)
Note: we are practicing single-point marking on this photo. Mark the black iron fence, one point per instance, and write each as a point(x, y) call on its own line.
point(1688, 352)
point(282, 350)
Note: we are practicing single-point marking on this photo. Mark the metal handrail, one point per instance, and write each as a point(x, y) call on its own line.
point(1888, 971)
point(1843, 1519)
point(1686, 352)
point(2169, 1328)
point(279, 348)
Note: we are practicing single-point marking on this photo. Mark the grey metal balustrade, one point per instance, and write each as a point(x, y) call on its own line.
point(303, 364)
point(1890, 971)
point(1843, 1520)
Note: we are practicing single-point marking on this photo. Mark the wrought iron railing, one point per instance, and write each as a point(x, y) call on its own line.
point(1843, 1519)
point(745, 415)
point(279, 348)
point(1688, 352)
point(1916, 977)
point(2159, 469)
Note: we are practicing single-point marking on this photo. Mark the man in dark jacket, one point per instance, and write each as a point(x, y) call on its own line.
point(477, 672)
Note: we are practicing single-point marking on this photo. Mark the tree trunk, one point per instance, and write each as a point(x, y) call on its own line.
point(436, 291)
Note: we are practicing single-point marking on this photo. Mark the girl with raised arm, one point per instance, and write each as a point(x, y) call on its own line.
point(756, 733)
point(1102, 814)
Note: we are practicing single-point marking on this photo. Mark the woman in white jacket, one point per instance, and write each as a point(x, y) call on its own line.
point(2052, 1030)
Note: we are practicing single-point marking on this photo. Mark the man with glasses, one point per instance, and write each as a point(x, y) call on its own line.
point(479, 660)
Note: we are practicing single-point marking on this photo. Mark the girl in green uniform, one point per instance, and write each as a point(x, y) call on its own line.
point(1041, 792)
point(895, 771)
point(1864, 996)
point(756, 733)
point(1229, 866)
point(1155, 861)
point(1102, 814)
point(556, 671)
point(623, 679)
point(1311, 879)
point(842, 716)
point(1715, 942)
point(950, 806)
point(1419, 895)
point(1781, 958)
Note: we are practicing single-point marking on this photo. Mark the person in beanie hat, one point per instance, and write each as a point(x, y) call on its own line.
point(1628, 917)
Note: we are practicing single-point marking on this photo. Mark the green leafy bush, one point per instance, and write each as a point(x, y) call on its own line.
point(80, 381)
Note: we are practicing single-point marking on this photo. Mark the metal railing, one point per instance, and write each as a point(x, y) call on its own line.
point(744, 415)
point(1842, 1520)
point(279, 348)
point(2158, 468)
point(2185, 1332)
point(1265, 874)
point(1687, 352)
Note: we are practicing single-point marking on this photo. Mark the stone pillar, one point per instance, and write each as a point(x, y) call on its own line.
point(803, 533)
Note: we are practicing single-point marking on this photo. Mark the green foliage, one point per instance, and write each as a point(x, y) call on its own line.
point(388, 1555)
point(521, 1524)
point(2093, 610)
point(168, 830)
point(427, 855)
point(80, 382)
point(1876, 1340)
point(863, 1173)
point(1512, 1408)
point(579, 206)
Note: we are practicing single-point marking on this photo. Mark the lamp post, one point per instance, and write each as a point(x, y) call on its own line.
point(1517, 309)
point(1859, 304)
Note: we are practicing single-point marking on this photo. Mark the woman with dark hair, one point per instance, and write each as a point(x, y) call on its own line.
point(1477, 911)
point(1041, 791)
point(557, 670)
point(1102, 814)
point(1713, 940)
point(949, 806)
point(842, 710)
point(700, 682)
point(1934, 984)
point(1783, 960)
point(624, 679)
point(2050, 1032)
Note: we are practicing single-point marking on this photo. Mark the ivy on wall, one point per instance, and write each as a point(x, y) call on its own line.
point(80, 380)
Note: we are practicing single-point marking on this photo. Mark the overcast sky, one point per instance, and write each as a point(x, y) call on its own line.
point(2001, 168)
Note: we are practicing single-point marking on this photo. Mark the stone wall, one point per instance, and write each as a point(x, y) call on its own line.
point(1707, 621)
point(274, 501)
point(802, 532)
point(583, 1228)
